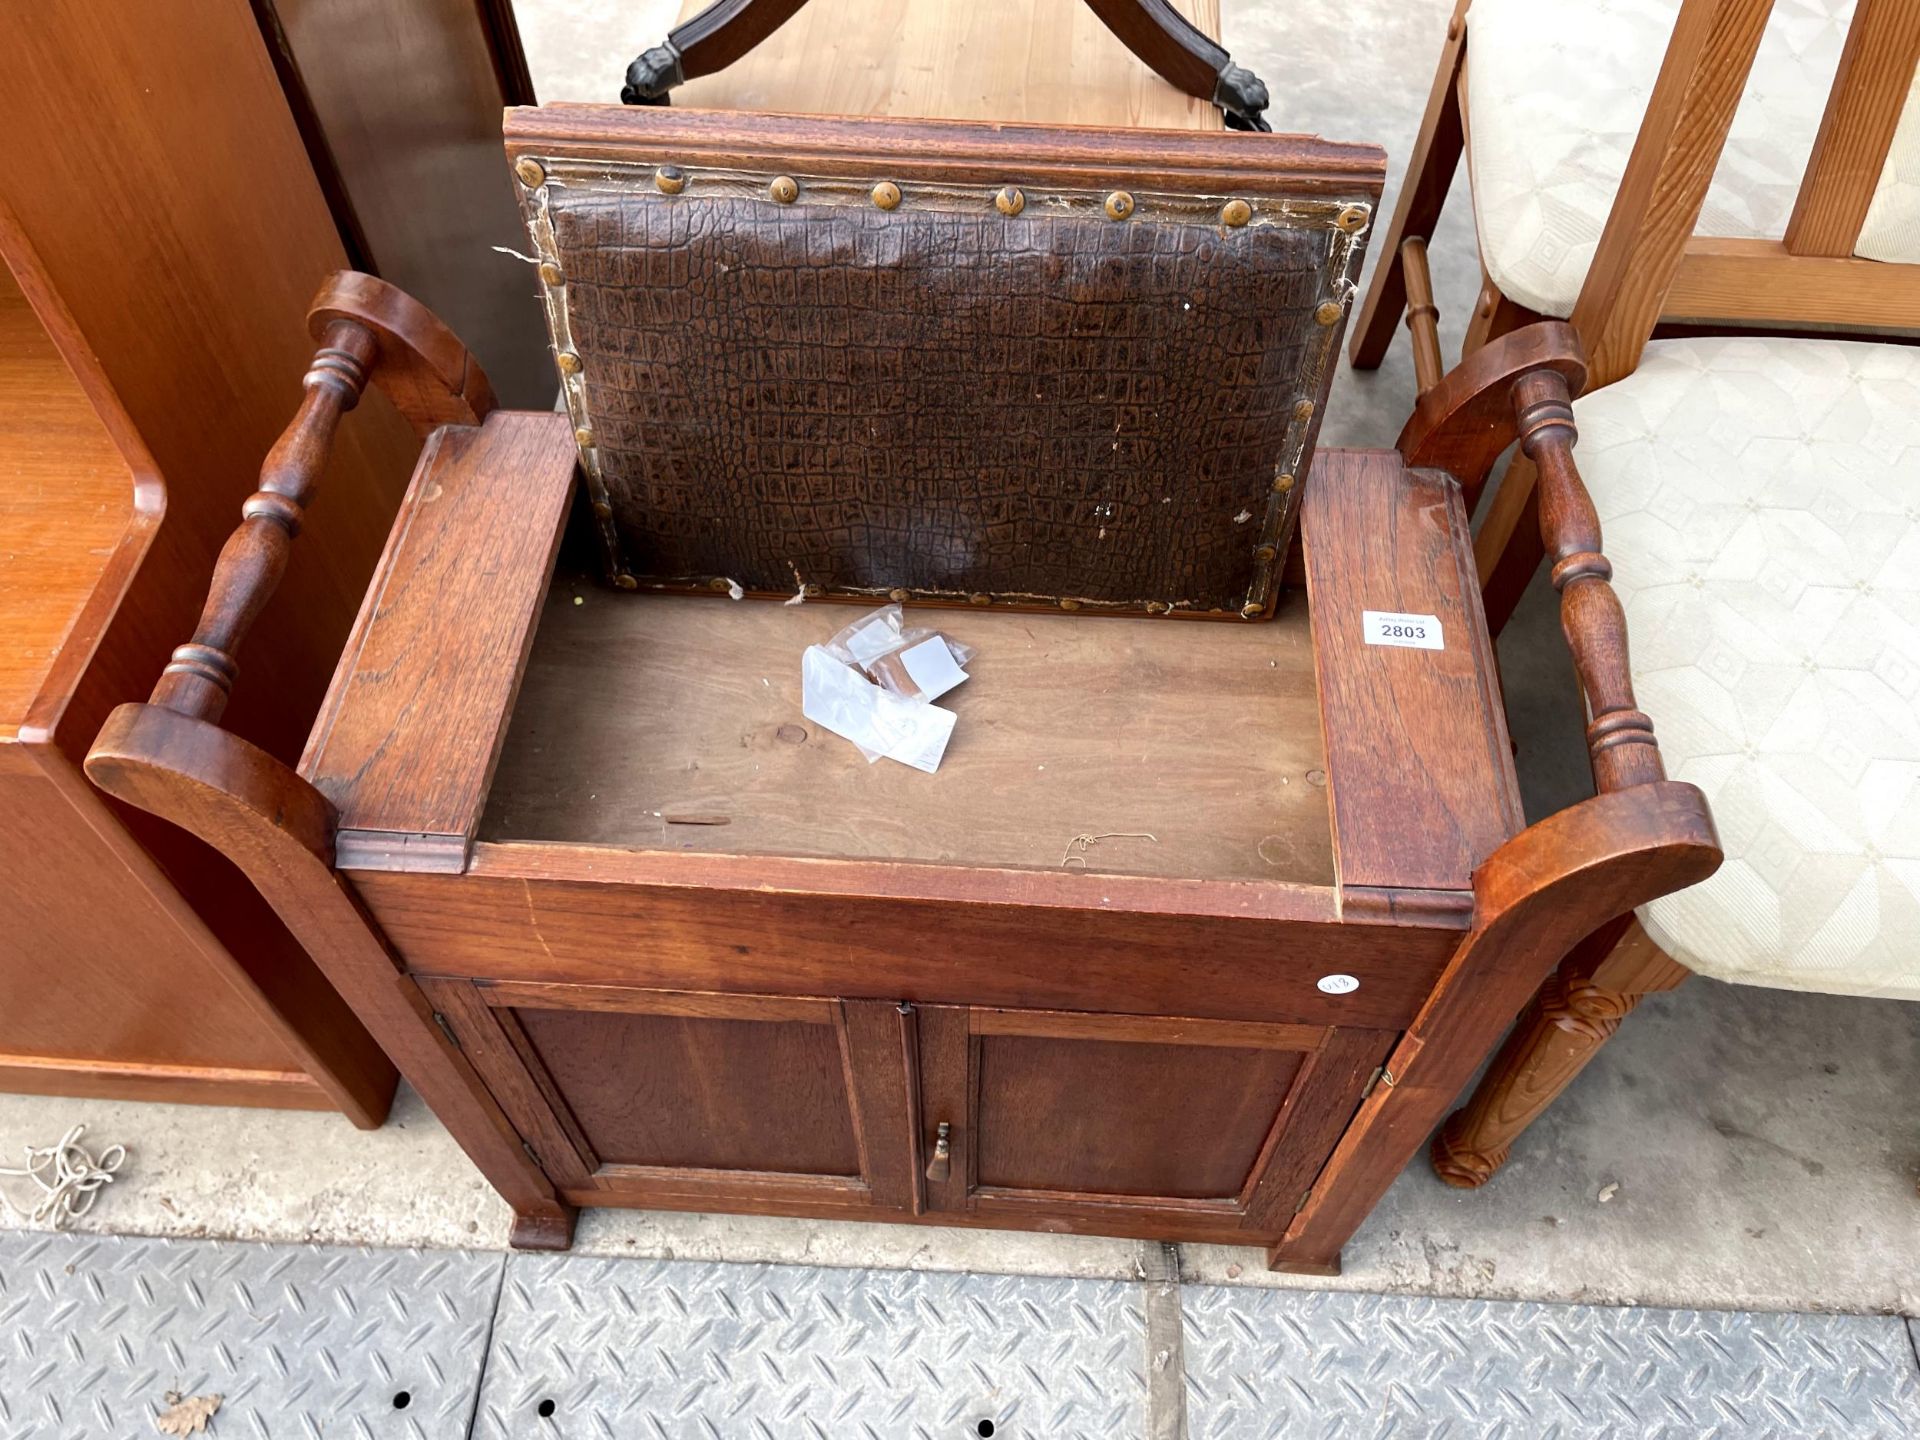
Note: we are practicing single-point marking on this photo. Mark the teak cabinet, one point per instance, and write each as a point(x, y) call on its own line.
point(840, 1106)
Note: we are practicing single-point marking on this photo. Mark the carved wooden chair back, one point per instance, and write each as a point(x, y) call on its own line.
point(942, 362)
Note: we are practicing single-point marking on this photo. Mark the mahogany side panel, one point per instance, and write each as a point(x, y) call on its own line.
point(1536, 897)
point(277, 827)
point(1419, 768)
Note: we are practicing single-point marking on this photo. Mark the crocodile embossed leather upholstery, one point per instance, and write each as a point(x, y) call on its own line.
point(1054, 406)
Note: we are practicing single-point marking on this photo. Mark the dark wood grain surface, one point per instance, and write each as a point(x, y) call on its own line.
point(406, 742)
point(1117, 1118)
point(1418, 762)
point(939, 934)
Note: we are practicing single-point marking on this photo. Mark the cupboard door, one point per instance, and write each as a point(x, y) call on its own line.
point(651, 1097)
point(1205, 1127)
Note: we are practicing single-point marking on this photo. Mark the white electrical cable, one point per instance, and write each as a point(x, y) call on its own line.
point(67, 1176)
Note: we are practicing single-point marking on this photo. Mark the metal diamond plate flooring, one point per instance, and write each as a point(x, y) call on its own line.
point(308, 1343)
point(299, 1341)
point(1262, 1364)
point(683, 1349)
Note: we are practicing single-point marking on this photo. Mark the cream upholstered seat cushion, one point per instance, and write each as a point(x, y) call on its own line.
point(1761, 505)
point(1556, 90)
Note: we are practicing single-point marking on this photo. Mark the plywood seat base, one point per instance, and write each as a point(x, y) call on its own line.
point(674, 723)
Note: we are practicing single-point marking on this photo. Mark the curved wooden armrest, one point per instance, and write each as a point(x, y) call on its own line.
point(367, 330)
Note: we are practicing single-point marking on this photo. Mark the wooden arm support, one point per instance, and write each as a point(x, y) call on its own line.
point(1521, 387)
point(170, 759)
point(367, 329)
point(1620, 739)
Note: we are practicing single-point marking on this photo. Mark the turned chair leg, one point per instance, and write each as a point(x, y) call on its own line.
point(1575, 1013)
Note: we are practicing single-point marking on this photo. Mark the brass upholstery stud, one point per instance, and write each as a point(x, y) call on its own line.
point(550, 272)
point(896, 594)
point(1302, 412)
point(718, 582)
point(1010, 201)
point(1235, 212)
point(1282, 483)
point(569, 362)
point(530, 173)
point(978, 599)
point(1252, 610)
point(1329, 312)
point(626, 581)
point(1119, 205)
point(886, 195)
point(603, 511)
point(584, 436)
point(1266, 554)
point(785, 189)
point(670, 179)
point(1158, 607)
point(1353, 217)
point(1069, 604)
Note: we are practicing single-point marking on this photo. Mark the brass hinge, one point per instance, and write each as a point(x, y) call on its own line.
point(446, 1029)
point(527, 1145)
point(1301, 1203)
point(1381, 1076)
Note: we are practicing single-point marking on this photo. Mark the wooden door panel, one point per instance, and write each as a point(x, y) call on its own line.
point(630, 1096)
point(1123, 1118)
point(1197, 1122)
point(667, 1090)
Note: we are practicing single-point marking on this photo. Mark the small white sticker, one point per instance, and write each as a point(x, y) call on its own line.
point(1415, 632)
point(1339, 984)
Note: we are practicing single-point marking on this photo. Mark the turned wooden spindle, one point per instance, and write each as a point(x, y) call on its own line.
point(1423, 316)
point(199, 676)
point(1620, 738)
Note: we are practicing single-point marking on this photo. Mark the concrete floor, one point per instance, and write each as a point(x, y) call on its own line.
point(1763, 1144)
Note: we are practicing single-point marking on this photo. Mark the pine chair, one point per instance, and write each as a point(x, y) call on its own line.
point(1760, 493)
point(1710, 225)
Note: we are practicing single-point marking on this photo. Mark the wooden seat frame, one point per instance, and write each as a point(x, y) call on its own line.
point(1531, 898)
point(1163, 39)
point(1650, 276)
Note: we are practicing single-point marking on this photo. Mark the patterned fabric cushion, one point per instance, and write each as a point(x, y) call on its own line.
point(1555, 93)
point(1892, 231)
point(1761, 503)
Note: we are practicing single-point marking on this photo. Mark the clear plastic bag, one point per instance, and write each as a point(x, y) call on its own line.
point(873, 682)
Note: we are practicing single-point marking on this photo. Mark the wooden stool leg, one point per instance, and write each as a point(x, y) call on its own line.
point(710, 41)
point(1187, 59)
point(1575, 1013)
